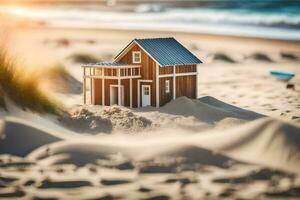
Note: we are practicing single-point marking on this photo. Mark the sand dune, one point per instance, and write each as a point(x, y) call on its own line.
point(183, 113)
point(261, 156)
point(260, 57)
point(207, 109)
point(266, 141)
point(98, 119)
point(223, 58)
point(20, 137)
point(253, 155)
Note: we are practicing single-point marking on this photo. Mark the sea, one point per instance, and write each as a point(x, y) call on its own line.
point(277, 19)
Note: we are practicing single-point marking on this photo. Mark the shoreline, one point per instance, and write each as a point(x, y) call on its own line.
point(142, 31)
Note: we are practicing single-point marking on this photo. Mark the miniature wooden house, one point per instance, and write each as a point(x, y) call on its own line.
point(146, 72)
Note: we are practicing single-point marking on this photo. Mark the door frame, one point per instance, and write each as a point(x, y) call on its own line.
point(142, 88)
point(139, 90)
point(110, 94)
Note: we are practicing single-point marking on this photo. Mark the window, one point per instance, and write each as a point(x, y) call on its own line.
point(146, 91)
point(136, 57)
point(167, 86)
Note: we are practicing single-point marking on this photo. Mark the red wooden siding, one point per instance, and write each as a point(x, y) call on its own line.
point(186, 86)
point(166, 70)
point(186, 68)
point(98, 91)
point(165, 97)
point(148, 72)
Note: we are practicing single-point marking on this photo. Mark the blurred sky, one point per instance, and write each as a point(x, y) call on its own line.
point(259, 18)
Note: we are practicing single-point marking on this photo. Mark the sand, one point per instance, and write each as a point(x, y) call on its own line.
point(239, 140)
point(255, 160)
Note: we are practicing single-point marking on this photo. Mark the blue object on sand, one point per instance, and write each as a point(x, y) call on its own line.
point(284, 76)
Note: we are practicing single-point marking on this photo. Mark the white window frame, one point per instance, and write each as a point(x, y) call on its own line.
point(133, 57)
point(146, 90)
point(167, 86)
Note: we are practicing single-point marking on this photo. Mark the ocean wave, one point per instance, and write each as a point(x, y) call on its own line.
point(196, 19)
point(157, 14)
point(234, 17)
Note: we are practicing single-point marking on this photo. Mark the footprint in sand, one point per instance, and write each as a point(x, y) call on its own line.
point(47, 184)
point(223, 58)
point(60, 170)
point(293, 192)
point(295, 117)
point(227, 192)
point(29, 183)
point(289, 97)
point(114, 181)
point(158, 197)
point(258, 56)
point(183, 181)
point(266, 105)
point(13, 194)
point(106, 197)
point(7, 180)
point(93, 169)
point(289, 56)
point(144, 189)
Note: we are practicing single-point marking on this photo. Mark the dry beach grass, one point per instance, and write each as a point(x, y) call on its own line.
point(23, 89)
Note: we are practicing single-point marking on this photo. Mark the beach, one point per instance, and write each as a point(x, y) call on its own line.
point(235, 69)
point(238, 140)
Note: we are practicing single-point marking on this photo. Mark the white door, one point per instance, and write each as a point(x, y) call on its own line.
point(146, 95)
point(114, 95)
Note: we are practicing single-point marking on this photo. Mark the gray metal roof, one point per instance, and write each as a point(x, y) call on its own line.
point(168, 51)
point(109, 63)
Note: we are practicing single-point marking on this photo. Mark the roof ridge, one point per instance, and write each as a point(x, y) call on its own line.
point(154, 38)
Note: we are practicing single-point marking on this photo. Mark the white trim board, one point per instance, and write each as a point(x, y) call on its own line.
point(180, 74)
point(103, 92)
point(157, 86)
point(130, 93)
point(111, 77)
point(110, 94)
point(174, 81)
point(197, 81)
point(94, 66)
